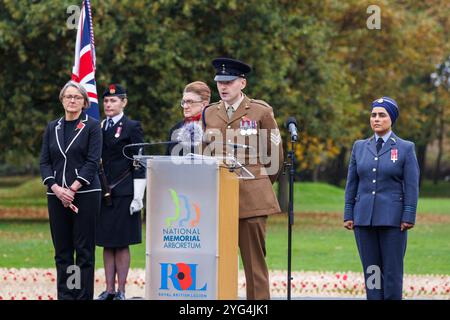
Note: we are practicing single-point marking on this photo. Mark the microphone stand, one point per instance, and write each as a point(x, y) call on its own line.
point(290, 164)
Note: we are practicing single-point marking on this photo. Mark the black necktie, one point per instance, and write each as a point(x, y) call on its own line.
point(110, 124)
point(379, 144)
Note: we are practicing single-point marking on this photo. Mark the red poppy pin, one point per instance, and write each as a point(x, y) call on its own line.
point(112, 89)
point(80, 125)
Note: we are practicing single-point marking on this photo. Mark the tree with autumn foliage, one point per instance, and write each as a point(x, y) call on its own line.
point(315, 60)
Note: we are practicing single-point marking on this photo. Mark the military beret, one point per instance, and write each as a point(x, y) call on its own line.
point(228, 69)
point(114, 89)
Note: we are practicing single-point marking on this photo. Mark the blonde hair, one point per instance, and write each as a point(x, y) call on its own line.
point(80, 88)
point(200, 88)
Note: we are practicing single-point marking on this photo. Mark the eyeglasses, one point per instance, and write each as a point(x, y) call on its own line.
point(184, 103)
point(77, 98)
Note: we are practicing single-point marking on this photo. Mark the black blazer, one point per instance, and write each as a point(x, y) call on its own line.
point(125, 131)
point(78, 160)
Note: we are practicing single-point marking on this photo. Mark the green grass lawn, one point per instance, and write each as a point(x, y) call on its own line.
point(29, 193)
point(322, 197)
point(319, 243)
point(323, 246)
point(308, 196)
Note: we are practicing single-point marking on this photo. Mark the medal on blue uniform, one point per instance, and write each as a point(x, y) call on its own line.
point(118, 130)
point(394, 155)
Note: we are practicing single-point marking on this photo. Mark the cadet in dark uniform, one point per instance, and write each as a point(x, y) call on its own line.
point(69, 161)
point(119, 223)
point(196, 96)
point(380, 201)
point(236, 117)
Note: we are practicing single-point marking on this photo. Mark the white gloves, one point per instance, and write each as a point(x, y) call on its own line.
point(139, 189)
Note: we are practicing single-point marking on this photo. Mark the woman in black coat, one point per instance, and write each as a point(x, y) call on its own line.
point(119, 223)
point(70, 155)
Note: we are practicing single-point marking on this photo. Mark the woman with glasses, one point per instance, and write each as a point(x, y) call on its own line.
point(70, 155)
point(196, 96)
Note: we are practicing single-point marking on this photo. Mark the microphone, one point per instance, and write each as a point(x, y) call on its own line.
point(291, 124)
point(190, 134)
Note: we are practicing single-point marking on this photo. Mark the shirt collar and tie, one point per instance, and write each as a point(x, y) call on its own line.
point(110, 122)
point(382, 140)
point(231, 108)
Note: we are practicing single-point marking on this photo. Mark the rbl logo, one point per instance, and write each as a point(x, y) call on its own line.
point(183, 276)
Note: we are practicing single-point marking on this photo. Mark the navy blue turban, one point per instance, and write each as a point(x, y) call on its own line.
point(390, 105)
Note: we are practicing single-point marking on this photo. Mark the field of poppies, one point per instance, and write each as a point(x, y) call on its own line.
point(40, 284)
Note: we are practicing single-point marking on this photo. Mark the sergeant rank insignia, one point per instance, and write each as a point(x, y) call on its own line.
point(275, 137)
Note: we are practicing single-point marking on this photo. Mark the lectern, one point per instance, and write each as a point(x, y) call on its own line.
point(191, 229)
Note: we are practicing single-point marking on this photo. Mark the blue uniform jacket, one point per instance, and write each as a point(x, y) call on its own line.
point(380, 190)
point(78, 160)
point(124, 132)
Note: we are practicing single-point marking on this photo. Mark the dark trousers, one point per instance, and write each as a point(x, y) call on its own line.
point(252, 245)
point(73, 236)
point(383, 249)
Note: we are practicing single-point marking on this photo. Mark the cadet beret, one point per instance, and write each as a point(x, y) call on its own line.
point(390, 105)
point(228, 69)
point(114, 89)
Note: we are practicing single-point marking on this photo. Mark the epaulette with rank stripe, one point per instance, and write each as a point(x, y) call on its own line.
point(261, 102)
point(204, 110)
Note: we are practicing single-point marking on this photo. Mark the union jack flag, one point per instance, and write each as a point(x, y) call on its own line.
point(83, 70)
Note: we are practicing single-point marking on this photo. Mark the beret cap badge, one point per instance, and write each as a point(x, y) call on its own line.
point(112, 89)
point(228, 69)
point(115, 89)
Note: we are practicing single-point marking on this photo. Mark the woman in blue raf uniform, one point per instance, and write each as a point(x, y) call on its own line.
point(380, 201)
point(196, 96)
point(69, 161)
point(119, 222)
